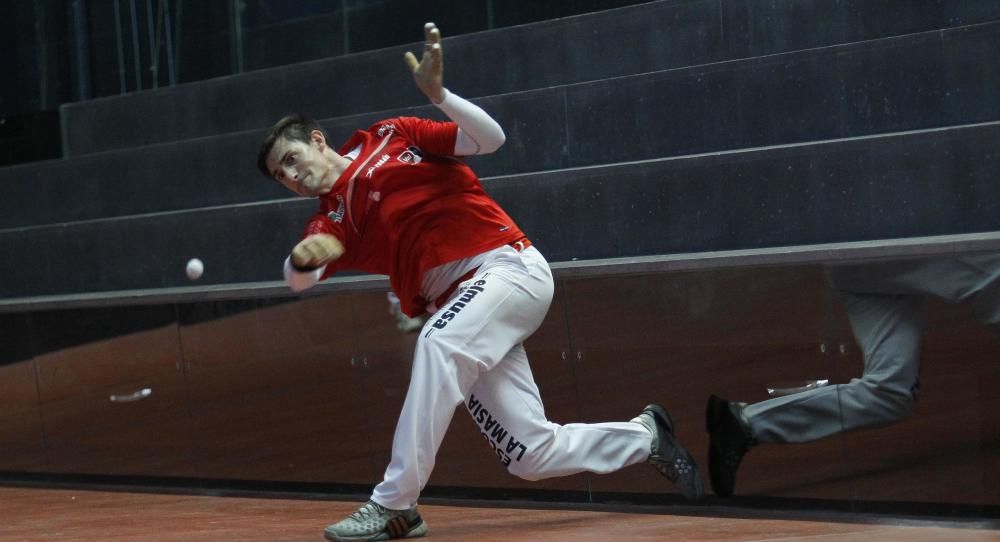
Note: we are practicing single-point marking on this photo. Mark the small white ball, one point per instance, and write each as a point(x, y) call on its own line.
point(195, 268)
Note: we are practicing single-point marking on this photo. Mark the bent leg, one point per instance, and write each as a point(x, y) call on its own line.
point(495, 310)
point(505, 404)
point(888, 328)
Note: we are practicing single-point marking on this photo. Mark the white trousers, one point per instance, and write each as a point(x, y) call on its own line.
point(470, 352)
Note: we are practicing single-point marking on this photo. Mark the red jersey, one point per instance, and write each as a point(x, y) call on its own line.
point(406, 205)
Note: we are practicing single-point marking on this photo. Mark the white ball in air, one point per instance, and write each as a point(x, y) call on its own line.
point(195, 268)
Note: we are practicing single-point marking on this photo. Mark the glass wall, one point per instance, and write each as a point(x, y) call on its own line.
point(307, 389)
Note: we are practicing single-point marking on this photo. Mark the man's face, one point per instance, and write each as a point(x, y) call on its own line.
point(302, 167)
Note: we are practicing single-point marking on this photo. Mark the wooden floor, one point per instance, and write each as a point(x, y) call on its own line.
point(29, 514)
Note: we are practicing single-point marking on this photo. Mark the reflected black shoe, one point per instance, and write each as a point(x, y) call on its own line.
point(729, 439)
point(668, 456)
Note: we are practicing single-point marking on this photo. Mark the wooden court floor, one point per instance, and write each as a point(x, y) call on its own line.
point(33, 514)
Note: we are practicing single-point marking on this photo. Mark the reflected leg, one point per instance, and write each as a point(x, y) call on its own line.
point(888, 328)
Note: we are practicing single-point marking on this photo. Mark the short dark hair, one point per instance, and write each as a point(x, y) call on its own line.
point(291, 127)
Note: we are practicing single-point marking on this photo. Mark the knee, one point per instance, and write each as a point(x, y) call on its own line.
point(517, 461)
point(893, 403)
point(529, 463)
point(527, 469)
point(524, 474)
point(440, 352)
point(438, 365)
point(899, 406)
point(434, 344)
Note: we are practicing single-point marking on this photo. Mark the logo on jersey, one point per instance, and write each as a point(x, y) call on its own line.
point(338, 215)
point(412, 156)
point(381, 161)
point(386, 128)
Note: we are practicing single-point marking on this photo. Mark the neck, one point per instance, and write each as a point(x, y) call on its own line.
point(340, 163)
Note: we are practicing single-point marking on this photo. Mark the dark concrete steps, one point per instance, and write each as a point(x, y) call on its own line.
point(920, 81)
point(636, 39)
point(932, 182)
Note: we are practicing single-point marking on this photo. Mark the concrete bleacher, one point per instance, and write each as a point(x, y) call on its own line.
point(640, 39)
point(667, 127)
point(923, 183)
point(643, 116)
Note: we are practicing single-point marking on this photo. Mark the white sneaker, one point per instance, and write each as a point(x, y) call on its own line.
point(376, 522)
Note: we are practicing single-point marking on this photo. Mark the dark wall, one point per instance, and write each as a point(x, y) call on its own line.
point(910, 185)
point(127, 41)
point(597, 49)
point(36, 79)
point(36, 59)
point(907, 83)
point(58, 52)
point(97, 211)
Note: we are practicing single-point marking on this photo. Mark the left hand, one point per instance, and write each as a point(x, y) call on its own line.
point(429, 72)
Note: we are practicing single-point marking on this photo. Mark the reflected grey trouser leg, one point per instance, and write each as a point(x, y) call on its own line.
point(888, 329)
point(884, 303)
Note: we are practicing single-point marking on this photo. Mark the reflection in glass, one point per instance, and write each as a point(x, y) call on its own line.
point(885, 303)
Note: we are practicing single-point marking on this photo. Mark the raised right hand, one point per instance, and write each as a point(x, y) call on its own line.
point(429, 72)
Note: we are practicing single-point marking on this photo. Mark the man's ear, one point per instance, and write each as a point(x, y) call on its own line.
point(318, 139)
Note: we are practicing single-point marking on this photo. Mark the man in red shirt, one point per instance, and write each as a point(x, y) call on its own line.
point(395, 200)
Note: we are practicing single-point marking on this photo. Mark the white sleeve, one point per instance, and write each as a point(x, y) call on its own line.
point(301, 280)
point(478, 133)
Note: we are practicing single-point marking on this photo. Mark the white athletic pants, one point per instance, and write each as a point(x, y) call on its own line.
point(470, 352)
